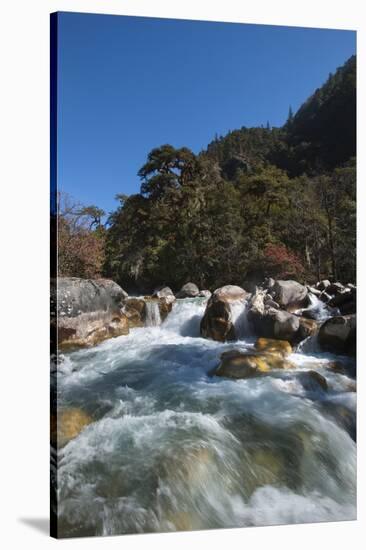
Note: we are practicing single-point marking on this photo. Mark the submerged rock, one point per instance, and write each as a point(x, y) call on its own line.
point(217, 322)
point(238, 364)
point(312, 380)
point(189, 290)
point(338, 335)
point(68, 424)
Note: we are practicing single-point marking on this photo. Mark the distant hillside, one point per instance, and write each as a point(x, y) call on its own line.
point(321, 135)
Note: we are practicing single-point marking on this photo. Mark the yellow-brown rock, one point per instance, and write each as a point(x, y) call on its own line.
point(89, 329)
point(237, 364)
point(68, 425)
point(281, 347)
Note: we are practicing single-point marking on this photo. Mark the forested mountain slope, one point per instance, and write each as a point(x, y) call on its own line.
point(257, 202)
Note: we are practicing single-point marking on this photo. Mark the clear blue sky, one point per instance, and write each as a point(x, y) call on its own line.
point(128, 84)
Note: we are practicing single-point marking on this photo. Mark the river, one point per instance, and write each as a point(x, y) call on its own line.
point(171, 447)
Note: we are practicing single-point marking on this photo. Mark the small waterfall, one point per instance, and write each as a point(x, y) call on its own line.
point(309, 345)
point(153, 318)
point(317, 309)
point(239, 319)
point(185, 317)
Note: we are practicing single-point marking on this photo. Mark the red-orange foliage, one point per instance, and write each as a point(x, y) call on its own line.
point(282, 263)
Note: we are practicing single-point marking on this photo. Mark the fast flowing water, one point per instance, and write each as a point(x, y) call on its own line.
point(171, 447)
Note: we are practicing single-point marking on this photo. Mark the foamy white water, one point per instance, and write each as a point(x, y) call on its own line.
point(173, 448)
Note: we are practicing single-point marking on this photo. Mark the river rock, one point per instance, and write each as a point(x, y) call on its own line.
point(164, 292)
point(345, 301)
point(335, 288)
point(238, 364)
point(72, 296)
point(269, 322)
point(230, 294)
point(68, 424)
point(338, 335)
point(165, 307)
point(308, 327)
point(281, 347)
point(189, 290)
point(135, 311)
point(289, 294)
point(217, 319)
point(89, 329)
point(322, 285)
point(312, 380)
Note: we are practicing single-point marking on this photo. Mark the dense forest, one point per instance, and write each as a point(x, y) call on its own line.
point(257, 202)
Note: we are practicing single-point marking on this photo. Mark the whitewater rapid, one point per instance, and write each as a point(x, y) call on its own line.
point(172, 447)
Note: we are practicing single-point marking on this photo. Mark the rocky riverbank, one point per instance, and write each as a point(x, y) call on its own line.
point(87, 312)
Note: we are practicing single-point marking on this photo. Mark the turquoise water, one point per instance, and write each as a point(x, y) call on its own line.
point(173, 448)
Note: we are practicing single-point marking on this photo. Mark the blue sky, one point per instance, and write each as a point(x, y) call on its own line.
point(128, 84)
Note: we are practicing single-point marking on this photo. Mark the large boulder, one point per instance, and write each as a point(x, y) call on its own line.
point(338, 335)
point(269, 345)
point(289, 294)
point(86, 311)
point(217, 322)
point(238, 364)
point(189, 290)
point(230, 294)
point(72, 296)
point(345, 301)
point(164, 292)
point(269, 322)
point(89, 329)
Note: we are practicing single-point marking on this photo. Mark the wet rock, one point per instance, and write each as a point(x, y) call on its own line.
point(217, 320)
point(240, 365)
point(165, 307)
point(268, 322)
point(345, 301)
point(189, 290)
point(135, 311)
point(68, 424)
point(164, 292)
point(338, 335)
point(308, 327)
point(322, 285)
point(90, 329)
point(335, 288)
point(312, 380)
point(269, 345)
point(230, 294)
point(289, 294)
